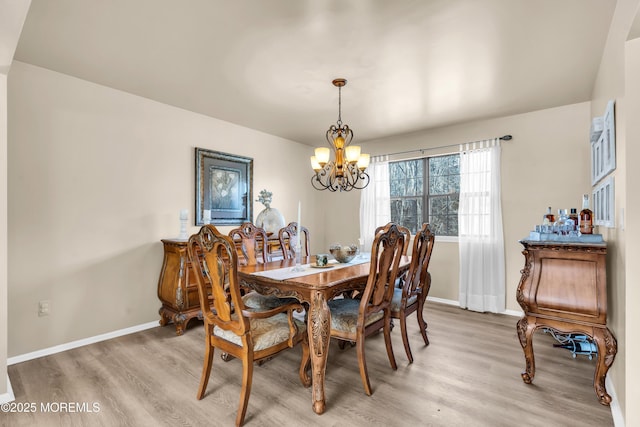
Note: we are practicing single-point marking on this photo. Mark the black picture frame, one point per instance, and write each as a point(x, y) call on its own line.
point(224, 185)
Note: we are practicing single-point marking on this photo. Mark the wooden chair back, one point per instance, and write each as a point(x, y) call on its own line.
point(416, 279)
point(386, 252)
point(252, 242)
point(215, 262)
point(288, 237)
point(407, 236)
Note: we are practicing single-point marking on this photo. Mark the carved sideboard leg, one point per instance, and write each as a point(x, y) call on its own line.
point(607, 349)
point(525, 334)
point(319, 331)
point(180, 321)
point(165, 317)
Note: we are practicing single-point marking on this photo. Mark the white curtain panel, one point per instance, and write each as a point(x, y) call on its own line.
point(481, 241)
point(375, 209)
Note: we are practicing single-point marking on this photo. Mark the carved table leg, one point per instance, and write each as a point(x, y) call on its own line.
point(319, 331)
point(525, 334)
point(607, 349)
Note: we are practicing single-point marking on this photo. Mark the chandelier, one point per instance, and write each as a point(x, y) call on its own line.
point(347, 170)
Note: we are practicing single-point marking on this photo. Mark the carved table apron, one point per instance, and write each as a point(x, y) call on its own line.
point(316, 290)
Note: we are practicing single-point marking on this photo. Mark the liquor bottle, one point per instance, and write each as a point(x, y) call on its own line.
point(548, 218)
point(580, 347)
point(585, 219)
point(574, 217)
point(561, 226)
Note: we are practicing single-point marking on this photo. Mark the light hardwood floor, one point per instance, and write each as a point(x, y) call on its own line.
point(468, 376)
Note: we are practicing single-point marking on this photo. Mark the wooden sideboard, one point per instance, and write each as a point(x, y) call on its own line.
point(177, 289)
point(564, 288)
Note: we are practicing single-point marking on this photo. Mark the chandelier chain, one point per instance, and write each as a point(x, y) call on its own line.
point(339, 106)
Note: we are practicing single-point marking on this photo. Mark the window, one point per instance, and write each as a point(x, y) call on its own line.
point(433, 182)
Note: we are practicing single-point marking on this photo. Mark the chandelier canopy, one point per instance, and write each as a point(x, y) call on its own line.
point(347, 170)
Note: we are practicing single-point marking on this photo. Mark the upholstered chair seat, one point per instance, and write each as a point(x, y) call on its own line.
point(396, 301)
point(258, 301)
point(344, 315)
point(264, 332)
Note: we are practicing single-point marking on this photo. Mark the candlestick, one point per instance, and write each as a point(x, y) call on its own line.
point(298, 250)
point(299, 214)
point(184, 216)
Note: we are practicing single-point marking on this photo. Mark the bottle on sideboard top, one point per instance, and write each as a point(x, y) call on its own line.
point(563, 224)
point(585, 219)
point(574, 217)
point(548, 218)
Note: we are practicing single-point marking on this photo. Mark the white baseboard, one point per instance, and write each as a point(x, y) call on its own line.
point(616, 411)
point(8, 396)
point(516, 313)
point(79, 343)
point(457, 304)
point(444, 301)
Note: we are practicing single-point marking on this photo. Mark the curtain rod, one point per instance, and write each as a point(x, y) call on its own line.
point(422, 150)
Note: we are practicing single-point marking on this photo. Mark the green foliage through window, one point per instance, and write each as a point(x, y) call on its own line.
point(426, 190)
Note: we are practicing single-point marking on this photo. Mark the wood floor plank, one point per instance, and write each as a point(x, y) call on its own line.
point(468, 376)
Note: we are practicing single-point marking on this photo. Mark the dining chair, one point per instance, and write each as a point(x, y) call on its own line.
point(352, 320)
point(405, 247)
point(251, 242)
point(288, 237)
point(248, 335)
point(411, 297)
point(407, 236)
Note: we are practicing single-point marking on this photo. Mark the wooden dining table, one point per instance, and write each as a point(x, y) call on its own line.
point(316, 289)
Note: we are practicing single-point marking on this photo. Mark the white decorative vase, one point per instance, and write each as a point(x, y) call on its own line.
point(271, 220)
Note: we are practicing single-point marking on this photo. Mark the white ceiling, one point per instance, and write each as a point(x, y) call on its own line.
point(269, 64)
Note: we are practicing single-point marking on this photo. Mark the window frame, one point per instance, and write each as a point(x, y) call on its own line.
point(426, 196)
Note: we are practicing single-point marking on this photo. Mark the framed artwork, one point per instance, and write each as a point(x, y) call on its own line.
point(224, 185)
point(603, 149)
point(604, 203)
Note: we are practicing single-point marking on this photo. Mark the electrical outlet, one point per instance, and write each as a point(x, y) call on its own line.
point(43, 308)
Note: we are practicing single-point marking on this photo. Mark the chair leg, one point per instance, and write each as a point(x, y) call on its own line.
point(206, 366)
point(247, 377)
point(405, 337)
point(305, 363)
point(422, 324)
point(362, 363)
point(387, 341)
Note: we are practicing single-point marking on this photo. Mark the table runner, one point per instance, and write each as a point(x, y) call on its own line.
point(288, 273)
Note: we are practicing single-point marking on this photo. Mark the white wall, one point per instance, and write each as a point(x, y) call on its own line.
point(12, 16)
point(3, 235)
point(96, 178)
point(618, 80)
point(631, 301)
